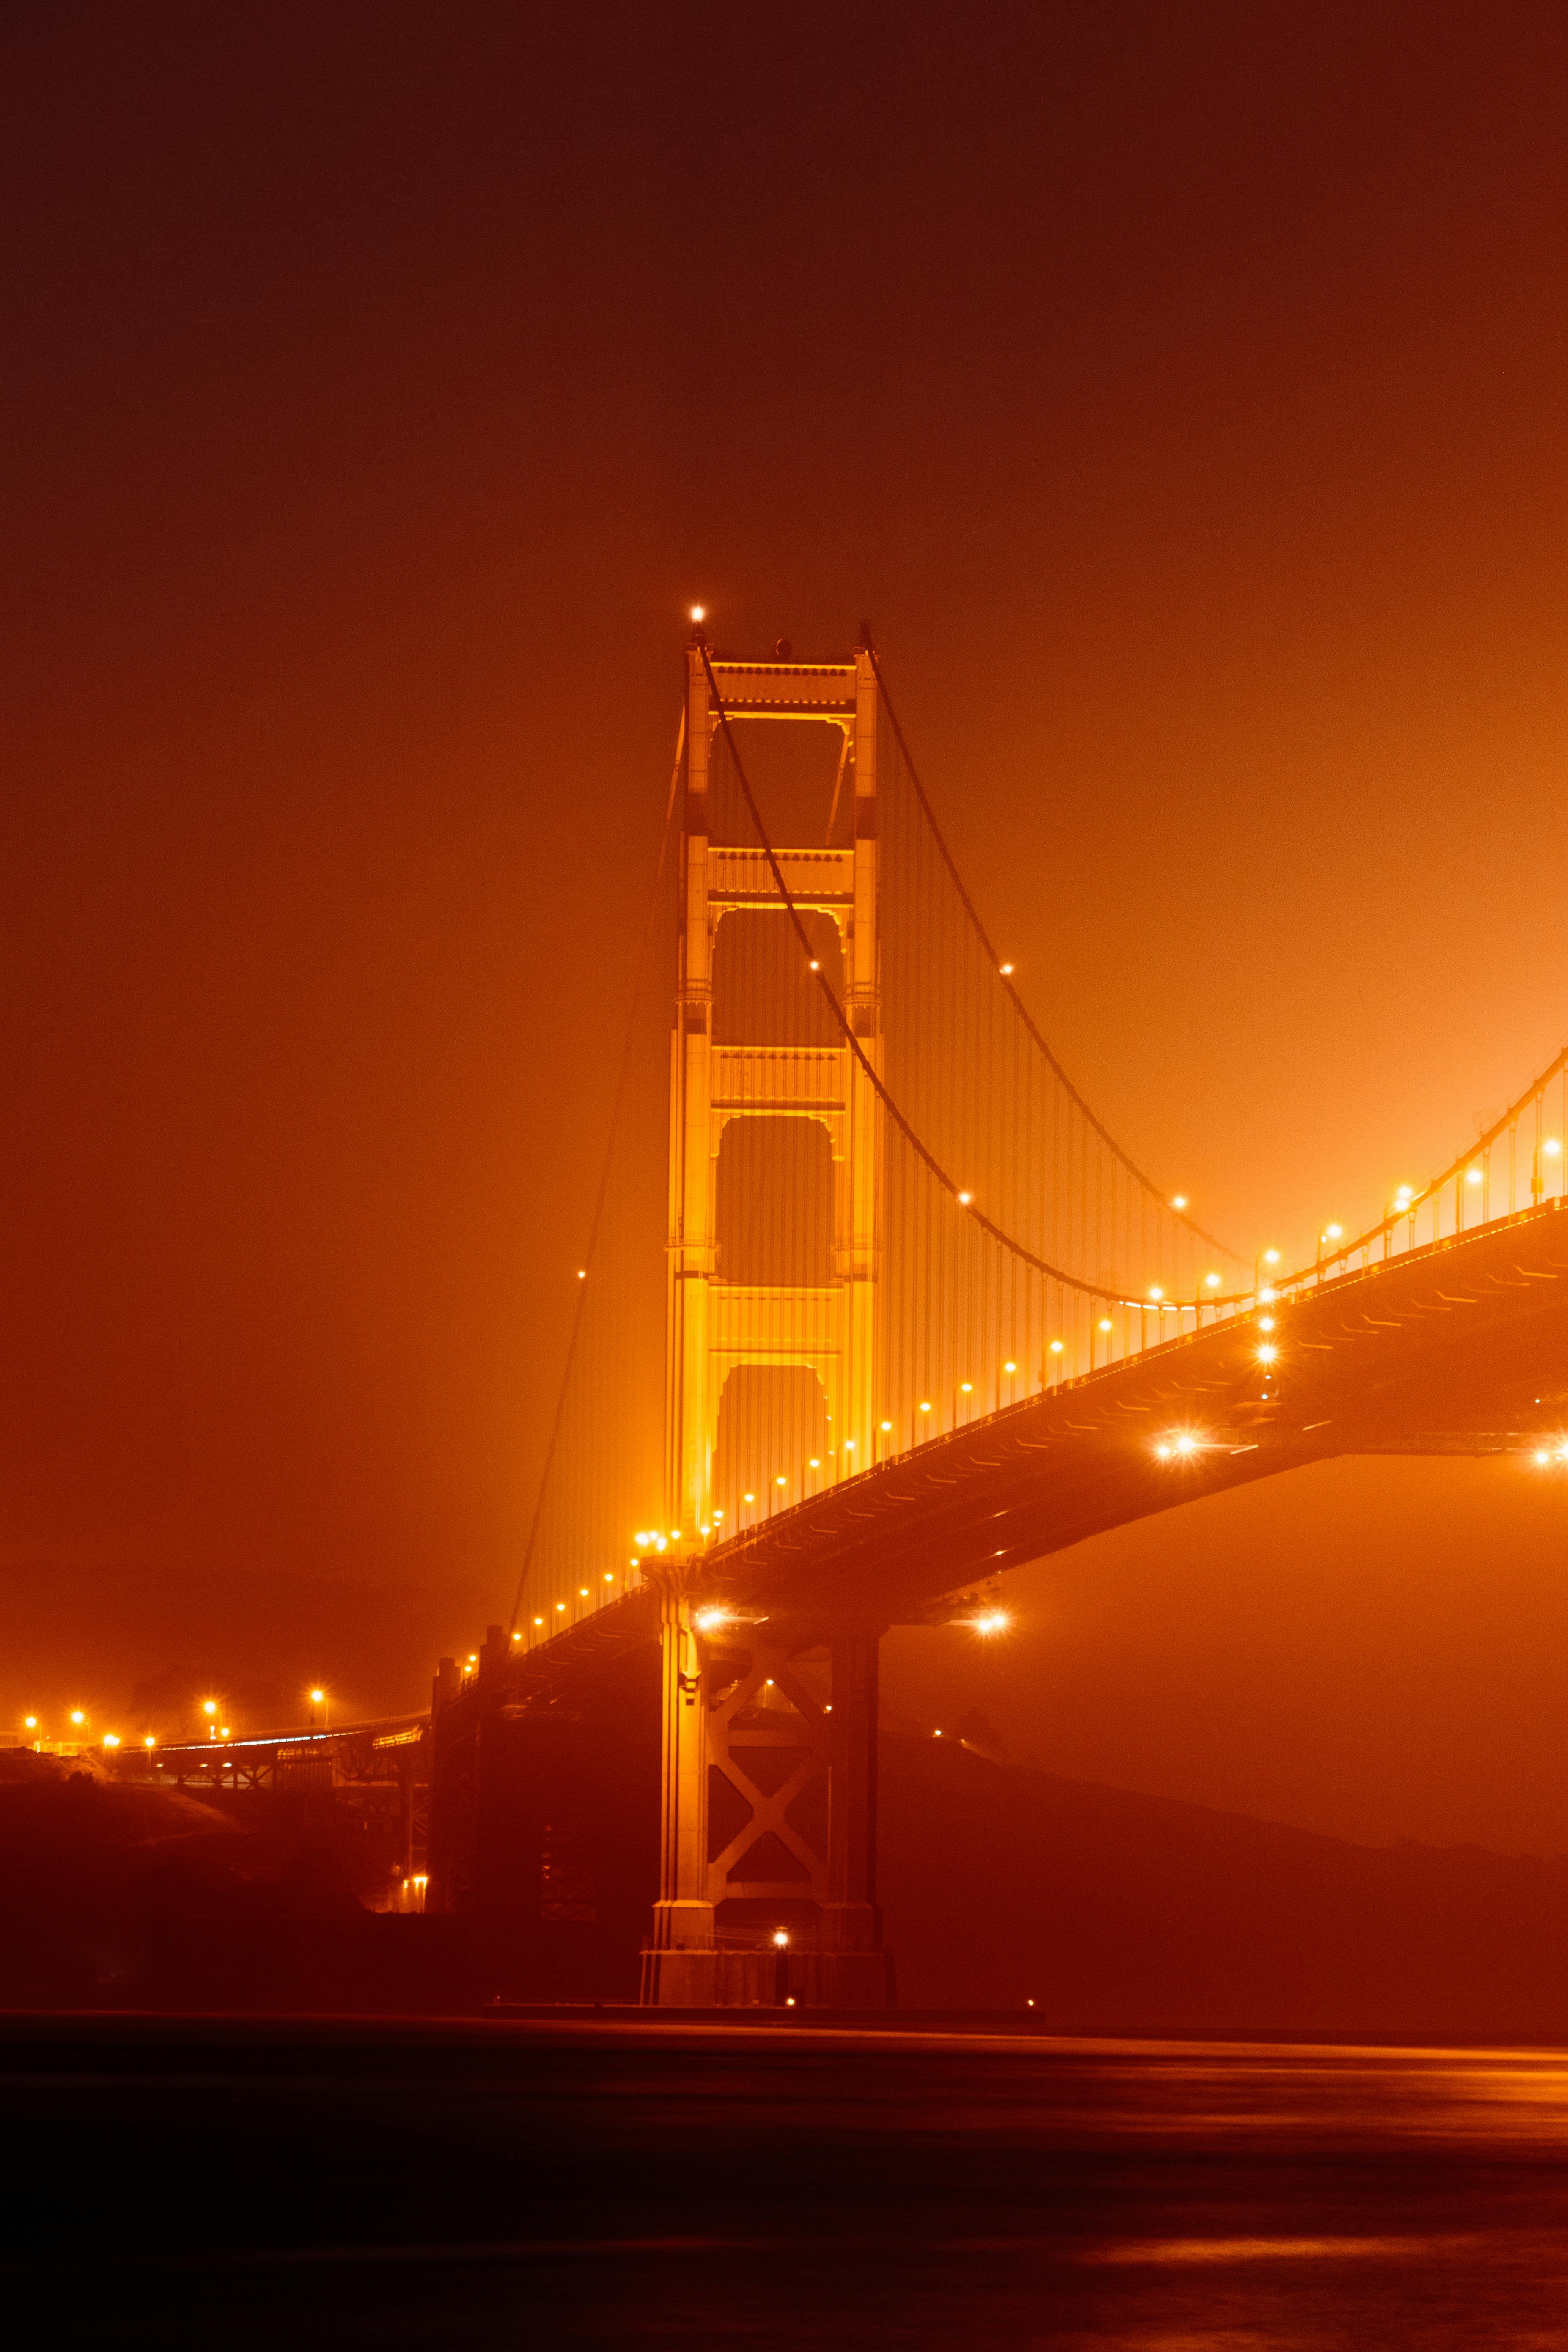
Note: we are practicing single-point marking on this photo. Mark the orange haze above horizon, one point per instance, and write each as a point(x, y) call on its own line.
point(1181, 394)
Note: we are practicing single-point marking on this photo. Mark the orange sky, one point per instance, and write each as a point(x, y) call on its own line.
point(1182, 393)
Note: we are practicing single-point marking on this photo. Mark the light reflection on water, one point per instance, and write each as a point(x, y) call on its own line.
point(743, 2188)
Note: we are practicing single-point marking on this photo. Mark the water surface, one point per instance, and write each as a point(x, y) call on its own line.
point(291, 2183)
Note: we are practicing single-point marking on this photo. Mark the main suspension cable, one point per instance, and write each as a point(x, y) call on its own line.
point(1117, 1296)
point(1018, 1004)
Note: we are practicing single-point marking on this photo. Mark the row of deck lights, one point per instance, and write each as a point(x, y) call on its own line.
point(81, 1724)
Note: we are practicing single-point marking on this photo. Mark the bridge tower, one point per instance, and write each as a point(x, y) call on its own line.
point(716, 1326)
point(735, 1699)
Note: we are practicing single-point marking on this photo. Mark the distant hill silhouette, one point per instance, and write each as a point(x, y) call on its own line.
point(1003, 1883)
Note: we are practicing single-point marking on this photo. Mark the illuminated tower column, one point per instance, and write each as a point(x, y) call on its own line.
point(691, 1203)
point(863, 989)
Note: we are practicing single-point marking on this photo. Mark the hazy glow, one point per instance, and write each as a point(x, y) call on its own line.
point(1180, 1201)
point(1154, 1291)
point(1266, 1322)
point(781, 1937)
point(1105, 1324)
point(1266, 1353)
point(1336, 1232)
point(1056, 1346)
point(994, 1622)
point(1551, 1147)
point(1271, 1257)
point(1212, 1281)
point(1474, 1176)
point(965, 1198)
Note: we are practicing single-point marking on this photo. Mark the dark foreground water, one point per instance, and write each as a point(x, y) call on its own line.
point(289, 2184)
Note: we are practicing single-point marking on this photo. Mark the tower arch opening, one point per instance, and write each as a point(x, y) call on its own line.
point(764, 993)
point(773, 1202)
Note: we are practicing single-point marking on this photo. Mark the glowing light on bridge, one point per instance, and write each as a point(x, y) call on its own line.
point(1009, 1367)
point(1180, 1200)
point(781, 1480)
point(706, 1619)
point(1551, 1147)
point(149, 1741)
point(1007, 971)
point(1211, 1282)
point(1105, 1323)
point(1176, 1448)
point(78, 1717)
point(699, 613)
point(966, 1388)
point(964, 1199)
point(780, 1939)
point(885, 1427)
point(1271, 1257)
point(1056, 1347)
point(1267, 1352)
point(1336, 1232)
point(994, 1621)
point(1156, 1293)
point(111, 1739)
point(925, 1405)
point(1266, 1322)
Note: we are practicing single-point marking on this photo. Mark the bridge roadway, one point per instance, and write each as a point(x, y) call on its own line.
point(1460, 1348)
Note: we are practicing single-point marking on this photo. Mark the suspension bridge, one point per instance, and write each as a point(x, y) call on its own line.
point(874, 1308)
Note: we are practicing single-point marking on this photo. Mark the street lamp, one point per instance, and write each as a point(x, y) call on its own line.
point(320, 1710)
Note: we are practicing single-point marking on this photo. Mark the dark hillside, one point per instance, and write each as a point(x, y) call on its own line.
point(1002, 1884)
